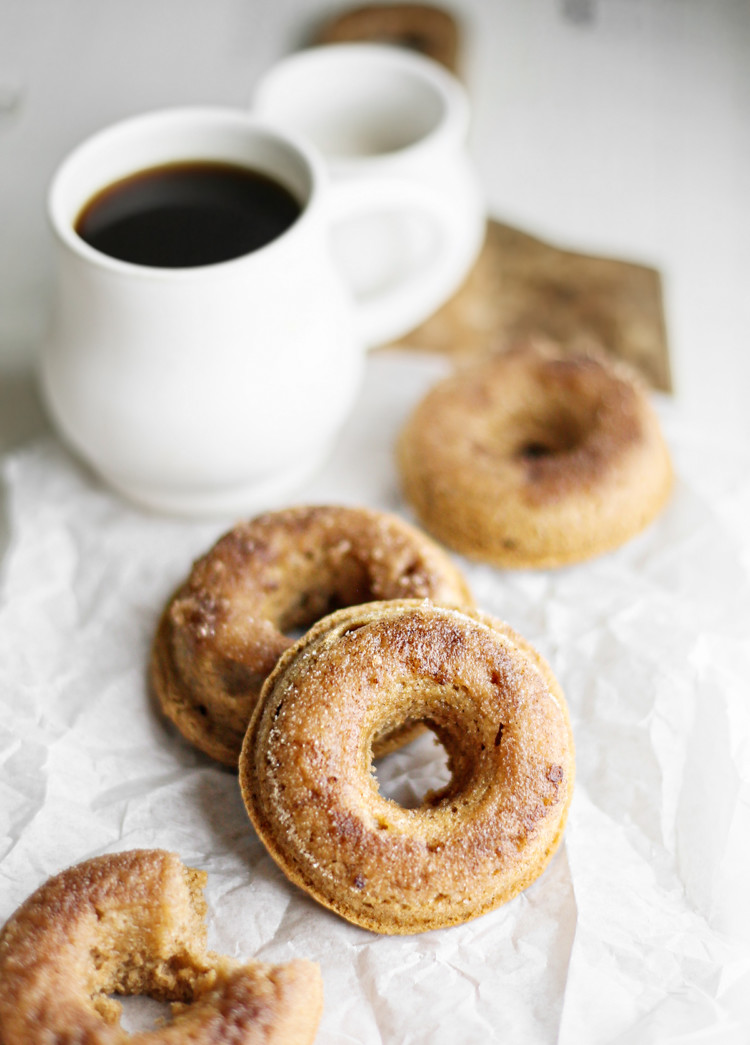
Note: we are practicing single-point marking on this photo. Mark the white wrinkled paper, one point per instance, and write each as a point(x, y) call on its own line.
point(639, 930)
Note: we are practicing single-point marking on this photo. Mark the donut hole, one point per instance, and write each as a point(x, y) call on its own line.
point(552, 435)
point(416, 773)
point(327, 589)
point(341, 577)
point(534, 450)
point(437, 770)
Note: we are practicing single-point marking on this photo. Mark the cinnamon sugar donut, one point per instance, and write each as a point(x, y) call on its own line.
point(132, 923)
point(225, 628)
point(425, 28)
point(305, 767)
point(535, 458)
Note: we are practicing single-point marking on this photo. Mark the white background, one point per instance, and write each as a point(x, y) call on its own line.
point(615, 126)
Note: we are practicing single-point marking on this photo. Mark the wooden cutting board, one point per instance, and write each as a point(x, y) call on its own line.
point(522, 286)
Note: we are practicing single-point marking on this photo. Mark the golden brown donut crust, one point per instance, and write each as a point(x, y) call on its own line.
point(223, 631)
point(305, 767)
point(132, 923)
point(535, 458)
point(431, 30)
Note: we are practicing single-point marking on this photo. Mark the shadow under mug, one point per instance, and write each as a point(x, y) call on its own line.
point(215, 389)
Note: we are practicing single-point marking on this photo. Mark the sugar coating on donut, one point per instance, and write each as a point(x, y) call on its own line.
point(225, 628)
point(535, 458)
point(306, 765)
point(133, 923)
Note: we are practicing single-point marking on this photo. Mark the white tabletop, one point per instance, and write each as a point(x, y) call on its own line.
point(620, 127)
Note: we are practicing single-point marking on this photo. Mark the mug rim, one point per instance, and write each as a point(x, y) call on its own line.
point(456, 109)
point(64, 227)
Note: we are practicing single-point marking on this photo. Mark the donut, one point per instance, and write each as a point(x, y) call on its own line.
point(535, 458)
point(132, 923)
point(224, 629)
point(306, 765)
point(430, 30)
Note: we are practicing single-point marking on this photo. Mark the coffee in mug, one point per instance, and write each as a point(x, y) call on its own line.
point(182, 215)
point(215, 387)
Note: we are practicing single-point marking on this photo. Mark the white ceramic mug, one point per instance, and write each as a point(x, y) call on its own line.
point(214, 389)
point(378, 113)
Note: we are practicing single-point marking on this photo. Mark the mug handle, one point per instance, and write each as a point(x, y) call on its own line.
point(388, 314)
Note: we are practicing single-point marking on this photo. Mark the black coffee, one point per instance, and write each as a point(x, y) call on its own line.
point(186, 214)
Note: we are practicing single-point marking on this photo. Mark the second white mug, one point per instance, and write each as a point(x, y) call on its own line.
point(391, 118)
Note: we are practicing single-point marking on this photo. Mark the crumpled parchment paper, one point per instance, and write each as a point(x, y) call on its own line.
point(639, 930)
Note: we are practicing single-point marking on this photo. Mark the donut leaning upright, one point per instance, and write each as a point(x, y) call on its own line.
point(306, 765)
